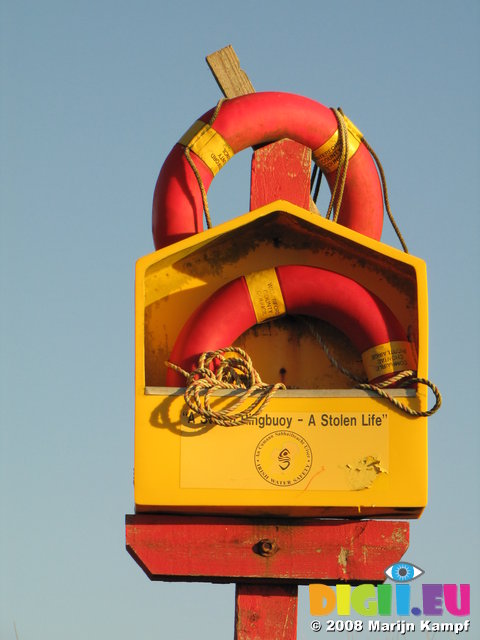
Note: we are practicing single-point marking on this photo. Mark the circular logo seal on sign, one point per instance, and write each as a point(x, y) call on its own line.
point(283, 458)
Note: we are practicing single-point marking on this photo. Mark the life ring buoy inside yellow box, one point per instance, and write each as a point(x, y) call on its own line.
point(321, 447)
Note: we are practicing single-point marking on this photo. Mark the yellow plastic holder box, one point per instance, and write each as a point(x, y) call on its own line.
point(321, 447)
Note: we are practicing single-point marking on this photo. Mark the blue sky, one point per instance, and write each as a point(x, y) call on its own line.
point(94, 95)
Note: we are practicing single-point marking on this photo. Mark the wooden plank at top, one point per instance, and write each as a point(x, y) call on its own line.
point(231, 79)
point(240, 549)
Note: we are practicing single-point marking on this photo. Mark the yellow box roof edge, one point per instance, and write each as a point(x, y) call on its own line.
point(197, 240)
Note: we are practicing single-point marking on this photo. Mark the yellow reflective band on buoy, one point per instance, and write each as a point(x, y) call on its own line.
point(328, 155)
point(266, 294)
point(388, 358)
point(208, 145)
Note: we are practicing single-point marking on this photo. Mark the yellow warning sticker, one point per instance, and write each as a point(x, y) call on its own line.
point(208, 145)
point(266, 294)
point(391, 357)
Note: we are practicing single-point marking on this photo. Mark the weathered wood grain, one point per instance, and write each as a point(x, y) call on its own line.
point(298, 551)
point(281, 171)
point(254, 619)
point(295, 175)
point(231, 79)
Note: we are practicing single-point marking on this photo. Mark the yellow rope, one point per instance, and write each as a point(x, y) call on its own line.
point(229, 368)
point(196, 172)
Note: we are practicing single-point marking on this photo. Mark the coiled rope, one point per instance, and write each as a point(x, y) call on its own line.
point(401, 380)
point(404, 379)
point(230, 368)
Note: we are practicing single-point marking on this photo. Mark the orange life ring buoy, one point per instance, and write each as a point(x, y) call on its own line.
point(254, 119)
point(296, 289)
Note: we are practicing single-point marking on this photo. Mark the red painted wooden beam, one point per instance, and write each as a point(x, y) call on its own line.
point(281, 171)
point(297, 551)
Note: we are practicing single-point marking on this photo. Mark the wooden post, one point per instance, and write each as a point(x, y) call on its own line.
point(256, 617)
point(279, 171)
point(266, 558)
